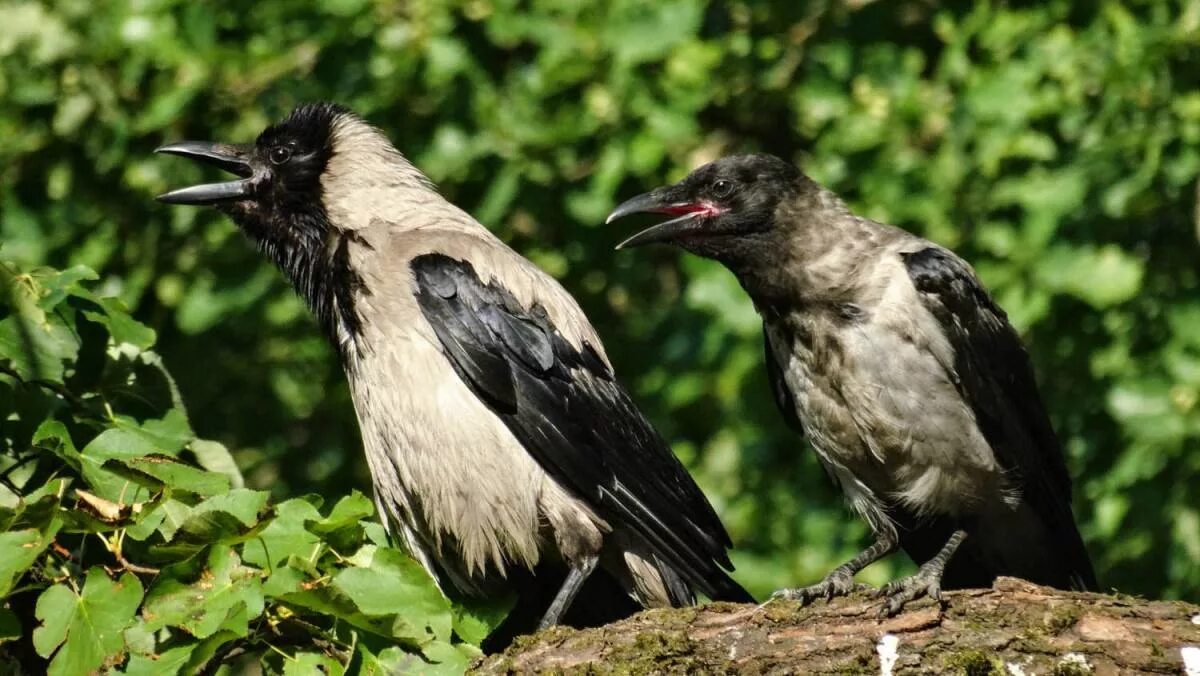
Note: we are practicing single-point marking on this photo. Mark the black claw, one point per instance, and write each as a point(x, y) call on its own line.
point(832, 586)
point(901, 592)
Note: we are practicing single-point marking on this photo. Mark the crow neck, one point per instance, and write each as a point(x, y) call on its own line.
point(314, 255)
point(810, 258)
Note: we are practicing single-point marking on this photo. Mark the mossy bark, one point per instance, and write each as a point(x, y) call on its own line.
point(1013, 628)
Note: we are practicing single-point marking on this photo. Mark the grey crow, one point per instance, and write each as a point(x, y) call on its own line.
point(503, 450)
point(911, 385)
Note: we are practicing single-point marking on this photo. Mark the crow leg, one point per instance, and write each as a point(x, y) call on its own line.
point(926, 582)
point(840, 581)
point(575, 578)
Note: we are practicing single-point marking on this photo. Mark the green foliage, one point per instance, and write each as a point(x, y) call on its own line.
point(83, 629)
point(129, 545)
point(1056, 145)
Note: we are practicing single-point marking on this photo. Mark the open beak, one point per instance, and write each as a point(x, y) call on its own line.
point(688, 217)
point(232, 158)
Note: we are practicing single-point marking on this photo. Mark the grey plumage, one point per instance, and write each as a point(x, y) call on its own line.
point(912, 387)
point(502, 449)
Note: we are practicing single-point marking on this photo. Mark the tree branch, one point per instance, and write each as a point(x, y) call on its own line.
point(1013, 628)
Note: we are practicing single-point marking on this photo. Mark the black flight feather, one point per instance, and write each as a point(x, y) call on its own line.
point(571, 415)
point(996, 379)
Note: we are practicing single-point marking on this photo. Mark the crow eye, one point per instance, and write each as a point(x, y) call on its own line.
point(280, 155)
point(722, 188)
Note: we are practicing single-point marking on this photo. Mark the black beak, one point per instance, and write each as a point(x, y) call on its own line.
point(232, 158)
point(687, 218)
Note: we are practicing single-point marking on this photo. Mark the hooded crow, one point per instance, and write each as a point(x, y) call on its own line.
point(503, 450)
point(911, 385)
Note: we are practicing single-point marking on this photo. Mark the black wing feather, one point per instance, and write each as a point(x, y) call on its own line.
point(779, 388)
point(487, 372)
point(996, 378)
point(564, 405)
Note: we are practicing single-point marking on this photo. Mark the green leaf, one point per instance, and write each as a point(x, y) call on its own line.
point(35, 344)
point(382, 591)
point(222, 594)
point(84, 631)
point(347, 512)
point(474, 618)
point(157, 470)
point(285, 536)
point(139, 639)
point(376, 533)
point(165, 663)
point(174, 513)
point(171, 432)
point(18, 551)
point(288, 580)
point(222, 519)
point(389, 660)
point(126, 441)
point(206, 649)
point(448, 658)
point(114, 443)
point(298, 586)
point(40, 509)
point(121, 326)
point(149, 657)
point(245, 505)
point(383, 581)
point(304, 664)
point(57, 285)
point(214, 457)
point(342, 530)
point(53, 436)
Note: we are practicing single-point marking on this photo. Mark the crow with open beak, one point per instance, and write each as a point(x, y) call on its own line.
point(503, 450)
point(911, 385)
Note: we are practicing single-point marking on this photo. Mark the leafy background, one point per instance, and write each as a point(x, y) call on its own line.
point(1055, 145)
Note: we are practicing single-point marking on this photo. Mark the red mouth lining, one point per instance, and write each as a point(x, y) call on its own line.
point(681, 209)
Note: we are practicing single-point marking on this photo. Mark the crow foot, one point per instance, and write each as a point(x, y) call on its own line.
point(926, 582)
point(840, 582)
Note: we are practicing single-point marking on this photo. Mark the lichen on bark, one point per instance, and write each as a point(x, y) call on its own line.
point(1013, 628)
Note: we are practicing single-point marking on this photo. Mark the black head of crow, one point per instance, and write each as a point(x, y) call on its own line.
point(504, 453)
point(913, 388)
point(280, 173)
point(723, 210)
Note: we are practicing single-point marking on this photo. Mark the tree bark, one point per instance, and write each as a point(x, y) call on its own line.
point(1014, 628)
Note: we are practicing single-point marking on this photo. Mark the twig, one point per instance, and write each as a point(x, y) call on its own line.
point(130, 566)
point(115, 548)
point(50, 386)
